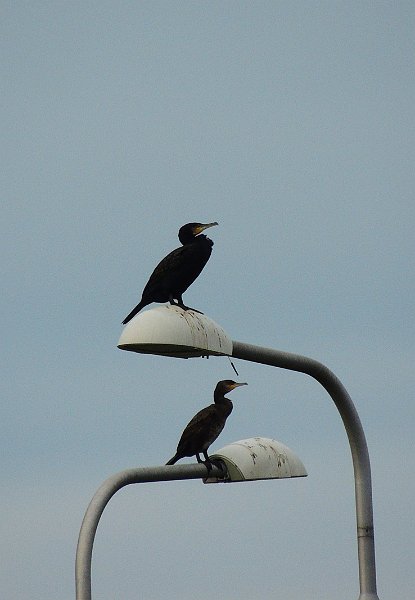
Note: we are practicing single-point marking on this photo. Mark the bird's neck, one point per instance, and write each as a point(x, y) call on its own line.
point(224, 406)
point(222, 400)
point(188, 238)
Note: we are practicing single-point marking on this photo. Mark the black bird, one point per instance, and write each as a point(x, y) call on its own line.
point(178, 270)
point(206, 425)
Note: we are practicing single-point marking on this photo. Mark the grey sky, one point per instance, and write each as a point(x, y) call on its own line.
point(292, 125)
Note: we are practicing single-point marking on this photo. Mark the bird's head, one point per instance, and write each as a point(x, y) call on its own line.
point(225, 386)
point(189, 231)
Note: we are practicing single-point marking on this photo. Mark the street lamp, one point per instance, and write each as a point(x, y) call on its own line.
point(245, 460)
point(257, 458)
point(172, 331)
point(191, 334)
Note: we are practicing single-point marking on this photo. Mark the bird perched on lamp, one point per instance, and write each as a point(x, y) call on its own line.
point(178, 270)
point(206, 425)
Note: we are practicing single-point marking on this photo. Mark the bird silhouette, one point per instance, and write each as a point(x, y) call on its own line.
point(178, 270)
point(206, 425)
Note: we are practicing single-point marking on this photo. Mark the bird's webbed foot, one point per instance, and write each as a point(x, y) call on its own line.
point(184, 307)
point(179, 302)
point(199, 312)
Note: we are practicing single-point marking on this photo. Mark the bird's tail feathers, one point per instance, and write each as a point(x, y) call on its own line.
point(133, 312)
point(173, 460)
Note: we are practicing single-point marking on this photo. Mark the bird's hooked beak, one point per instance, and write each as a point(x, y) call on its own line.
point(202, 226)
point(235, 385)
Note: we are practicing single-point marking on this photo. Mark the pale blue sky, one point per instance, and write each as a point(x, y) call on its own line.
point(292, 125)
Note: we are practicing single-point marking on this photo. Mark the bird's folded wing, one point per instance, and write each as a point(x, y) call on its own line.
point(174, 260)
point(200, 423)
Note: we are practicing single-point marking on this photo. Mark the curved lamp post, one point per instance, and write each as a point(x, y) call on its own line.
point(170, 331)
point(245, 460)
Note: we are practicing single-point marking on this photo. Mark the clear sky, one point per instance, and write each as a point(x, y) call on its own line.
point(292, 125)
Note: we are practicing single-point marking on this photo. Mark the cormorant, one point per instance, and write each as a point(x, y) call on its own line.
point(178, 270)
point(206, 425)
